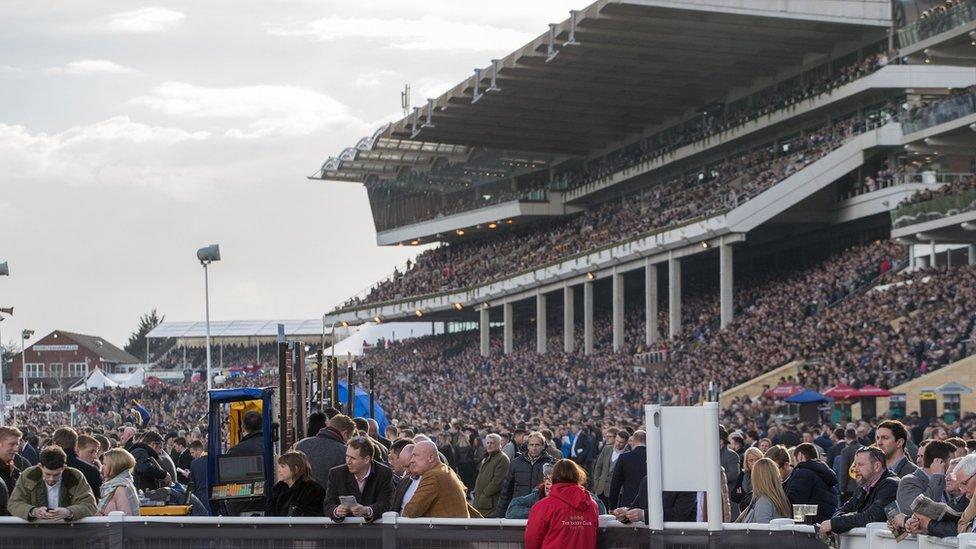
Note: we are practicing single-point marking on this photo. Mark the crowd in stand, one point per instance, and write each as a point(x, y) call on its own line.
point(393, 209)
point(668, 204)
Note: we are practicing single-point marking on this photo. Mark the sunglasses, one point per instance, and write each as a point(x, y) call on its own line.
point(874, 451)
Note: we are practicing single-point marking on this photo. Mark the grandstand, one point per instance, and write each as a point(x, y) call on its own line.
point(636, 174)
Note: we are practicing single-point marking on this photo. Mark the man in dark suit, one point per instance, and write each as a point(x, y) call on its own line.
point(362, 477)
point(67, 439)
point(252, 443)
point(877, 487)
point(847, 484)
point(678, 506)
point(583, 448)
point(198, 473)
point(631, 467)
point(409, 480)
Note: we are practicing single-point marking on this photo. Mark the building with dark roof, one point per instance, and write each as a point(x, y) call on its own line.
point(59, 359)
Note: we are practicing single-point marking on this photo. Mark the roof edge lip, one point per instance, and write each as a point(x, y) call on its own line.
point(734, 7)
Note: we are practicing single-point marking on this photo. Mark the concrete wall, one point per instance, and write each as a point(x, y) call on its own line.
point(963, 371)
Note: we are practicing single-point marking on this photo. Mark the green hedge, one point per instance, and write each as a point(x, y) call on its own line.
point(962, 202)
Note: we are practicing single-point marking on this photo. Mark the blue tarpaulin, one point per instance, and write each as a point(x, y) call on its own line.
point(808, 397)
point(361, 404)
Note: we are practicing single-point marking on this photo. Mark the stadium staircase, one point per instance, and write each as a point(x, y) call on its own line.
point(754, 387)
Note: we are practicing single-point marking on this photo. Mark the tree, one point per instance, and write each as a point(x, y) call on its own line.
point(10, 350)
point(137, 341)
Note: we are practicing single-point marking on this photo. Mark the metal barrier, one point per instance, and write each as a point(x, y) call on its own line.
point(391, 532)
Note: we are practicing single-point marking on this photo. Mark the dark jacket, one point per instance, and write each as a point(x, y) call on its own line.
point(948, 527)
point(812, 482)
point(522, 477)
point(30, 455)
point(376, 493)
point(148, 473)
point(396, 503)
point(678, 506)
point(583, 449)
point(325, 451)
point(251, 445)
point(92, 474)
point(904, 467)
point(865, 507)
point(10, 472)
point(301, 499)
point(198, 481)
point(626, 478)
point(847, 484)
point(4, 495)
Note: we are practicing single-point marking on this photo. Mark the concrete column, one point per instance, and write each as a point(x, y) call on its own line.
point(618, 312)
point(540, 324)
point(725, 283)
point(949, 259)
point(674, 296)
point(932, 261)
point(508, 329)
point(569, 320)
point(911, 257)
point(587, 318)
point(650, 303)
point(972, 254)
point(484, 316)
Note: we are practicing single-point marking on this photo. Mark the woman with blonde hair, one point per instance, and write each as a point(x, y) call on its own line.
point(768, 498)
point(742, 493)
point(118, 492)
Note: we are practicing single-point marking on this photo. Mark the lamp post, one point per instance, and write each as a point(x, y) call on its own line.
point(24, 336)
point(333, 383)
point(207, 256)
point(4, 271)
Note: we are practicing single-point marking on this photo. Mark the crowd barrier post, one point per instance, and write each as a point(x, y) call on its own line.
point(655, 490)
point(873, 534)
point(967, 540)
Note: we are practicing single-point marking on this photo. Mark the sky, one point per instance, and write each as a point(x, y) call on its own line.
point(133, 134)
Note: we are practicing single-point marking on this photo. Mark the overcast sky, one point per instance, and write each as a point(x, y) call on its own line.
point(131, 135)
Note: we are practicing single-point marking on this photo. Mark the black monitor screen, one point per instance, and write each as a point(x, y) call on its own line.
point(240, 468)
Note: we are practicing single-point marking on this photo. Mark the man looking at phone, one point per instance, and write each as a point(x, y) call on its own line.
point(51, 490)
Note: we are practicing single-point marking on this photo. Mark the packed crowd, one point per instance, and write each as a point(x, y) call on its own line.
point(954, 187)
point(841, 476)
point(676, 201)
point(925, 114)
point(393, 207)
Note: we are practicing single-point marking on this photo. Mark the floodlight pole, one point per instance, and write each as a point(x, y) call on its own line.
point(206, 294)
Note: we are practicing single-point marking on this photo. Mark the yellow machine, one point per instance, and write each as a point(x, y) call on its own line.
point(235, 417)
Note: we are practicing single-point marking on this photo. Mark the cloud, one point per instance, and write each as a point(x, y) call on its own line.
point(113, 152)
point(427, 33)
point(90, 66)
point(270, 110)
point(9, 69)
point(373, 79)
point(148, 19)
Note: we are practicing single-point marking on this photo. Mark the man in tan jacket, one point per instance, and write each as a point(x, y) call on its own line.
point(440, 493)
point(51, 490)
point(491, 475)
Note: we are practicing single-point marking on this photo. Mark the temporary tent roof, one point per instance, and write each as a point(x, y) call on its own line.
point(95, 380)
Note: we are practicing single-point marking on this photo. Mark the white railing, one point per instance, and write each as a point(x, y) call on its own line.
point(874, 536)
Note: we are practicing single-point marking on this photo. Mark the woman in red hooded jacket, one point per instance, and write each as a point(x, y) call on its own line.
point(566, 518)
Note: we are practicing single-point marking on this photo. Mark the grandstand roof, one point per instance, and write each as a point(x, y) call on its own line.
point(625, 65)
point(237, 328)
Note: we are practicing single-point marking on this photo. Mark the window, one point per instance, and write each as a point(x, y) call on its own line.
point(77, 369)
point(34, 369)
point(55, 369)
